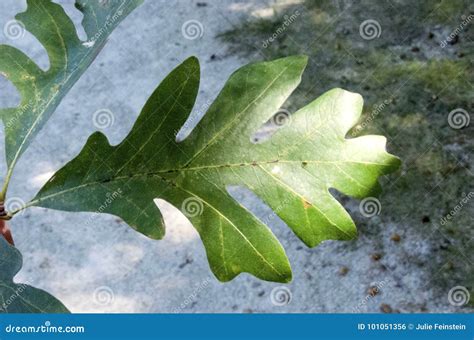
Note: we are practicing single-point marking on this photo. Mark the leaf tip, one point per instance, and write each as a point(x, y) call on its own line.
point(98, 139)
point(192, 60)
point(349, 96)
point(191, 67)
point(395, 163)
point(304, 58)
point(287, 278)
point(298, 61)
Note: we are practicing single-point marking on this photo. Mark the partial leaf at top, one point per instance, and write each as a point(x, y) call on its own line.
point(21, 298)
point(41, 91)
point(292, 174)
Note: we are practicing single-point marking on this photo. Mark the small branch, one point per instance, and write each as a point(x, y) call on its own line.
point(4, 215)
point(4, 229)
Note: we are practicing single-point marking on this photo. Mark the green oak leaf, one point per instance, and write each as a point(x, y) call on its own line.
point(292, 172)
point(41, 91)
point(21, 298)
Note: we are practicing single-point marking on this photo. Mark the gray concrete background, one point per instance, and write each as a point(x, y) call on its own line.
point(108, 267)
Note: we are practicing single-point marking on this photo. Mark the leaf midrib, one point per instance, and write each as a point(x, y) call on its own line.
point(163, 172)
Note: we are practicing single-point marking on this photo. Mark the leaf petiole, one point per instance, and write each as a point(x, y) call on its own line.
point(3, 193)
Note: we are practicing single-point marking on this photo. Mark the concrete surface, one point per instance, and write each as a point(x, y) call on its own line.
point(107, 267)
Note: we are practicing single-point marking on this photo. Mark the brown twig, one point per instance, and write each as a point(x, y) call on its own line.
point(4, 229)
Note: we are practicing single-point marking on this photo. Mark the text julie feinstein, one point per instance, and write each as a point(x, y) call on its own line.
point(440, 327)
